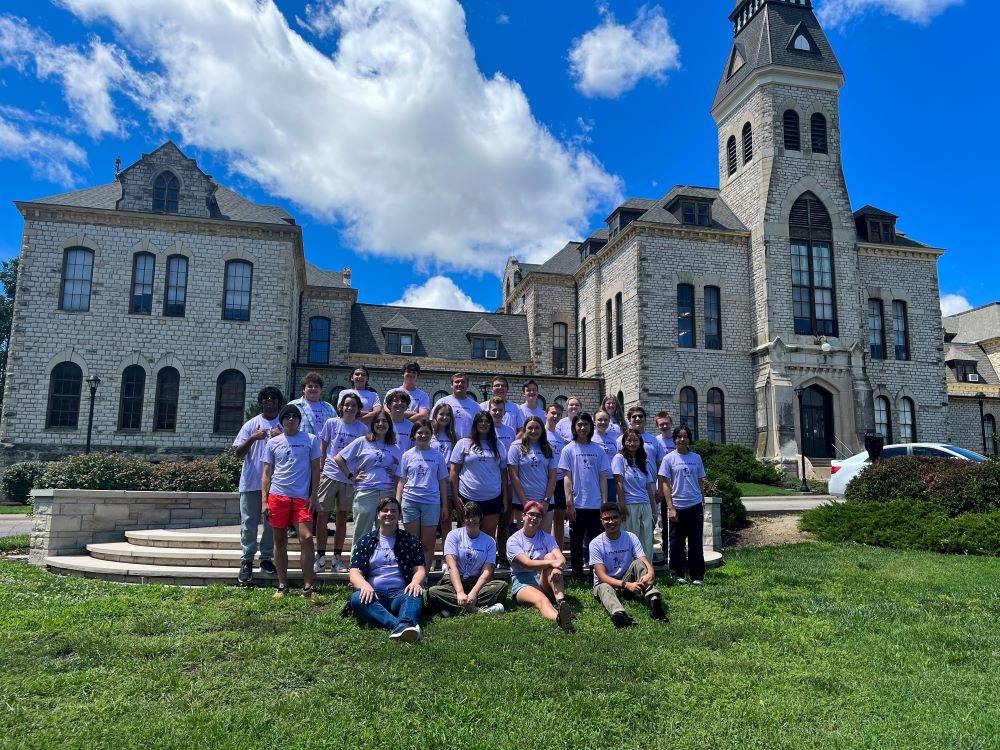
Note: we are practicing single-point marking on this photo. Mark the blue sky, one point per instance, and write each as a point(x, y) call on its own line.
point(435, 143)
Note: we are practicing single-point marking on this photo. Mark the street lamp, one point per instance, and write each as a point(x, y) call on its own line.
point(93, 381)
point(802, 441)
point(980, 397)
point(487, 387)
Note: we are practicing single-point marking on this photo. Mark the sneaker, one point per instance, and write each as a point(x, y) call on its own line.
point(621, 619)
point(698, 582)
point(246, 573)
point(564, 619)
point(279, 593)
point(309, 593)
point(292, 532)
point(446, 613)
point(267, 566)
point(681, 580)
point(405, 633)
point(493, 609)
point(656, 609)
point(320, 564)
point(339, 567)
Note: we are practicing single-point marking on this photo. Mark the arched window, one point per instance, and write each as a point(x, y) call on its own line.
point(130, 402)
point(876, 329)
point(165, 189)
point(65, 384)
point(899, 327)
point(168, 386)
point(438, 395)
point(619, 325)
point(716, 415)
point(713, 318)
point(583, 344)
point(689, 410)
point(990, 428)
point(813, 301)
point(883, 418)
point(239, 280)
point(559, 348)
point(907, 421)
point(621, 407)
point(793, 138)
point(141, 300)
point(685, 316)
point(817, 127)
point(608, 332)
point(78, 271)
point(731, 161)
point(561, 400)
point(747, 143)
point(319, 341)
point(175, 293)
point(230, 396)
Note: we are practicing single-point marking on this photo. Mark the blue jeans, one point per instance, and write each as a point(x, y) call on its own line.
point(388, 609)
point(249, 521)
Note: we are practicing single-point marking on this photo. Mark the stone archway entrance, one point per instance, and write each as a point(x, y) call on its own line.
point(817, 422)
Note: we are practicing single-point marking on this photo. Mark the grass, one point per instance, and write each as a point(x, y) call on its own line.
point(15, 509)
point(808, 646)
point(11, 543)
point(750, 489)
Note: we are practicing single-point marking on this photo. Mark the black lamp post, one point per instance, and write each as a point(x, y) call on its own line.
point(93, 381)
point(981, 397)
point(487, 387)
point(804, 488)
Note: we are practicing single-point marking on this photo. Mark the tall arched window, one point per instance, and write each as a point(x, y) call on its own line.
point(65, 384)
point(793, 137)
point(165, 189)
point(438, 395)
point(168, 386)
point(813, 301)
point(78, 271)
point(130, 401)
point(731, 158)
point(817, 128)
point(716, 415)
point(319, 341)
point(619, 325)
point(685, 316)
point(141, 300)
point(899, 328)
point(876, 329)
point(747, 143)
point(907, 421)
point(608, 332)
point(689, 410)
point(583, 344)
point(713, 318)
point(239, 281)
point(990, 428)
point(561, 400)
point(883, 418)
point(175, 293)
point(230, 396)
point(559, 348)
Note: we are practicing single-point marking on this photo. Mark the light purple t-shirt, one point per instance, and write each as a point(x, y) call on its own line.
point(369, 399)
point(479, 477)
point(505, 436)
point(666, 444)
point(616, 555)
point(418, 399)
point(652, 447)
point(558, 442)
point(442, 445)
point(512, 416)
point(536, 412)
point(683, 473)
point(337, 435)
point(383, 568)
point(292, 458)
point(314, 414)
point(422, 471)
point(532, 469)
point(376, 459)
point(585, 463)
point(635, 481)
point(607, 442)
point(403, 440)
point(471, 554)
point(464, 412)
point(253, 461)
point(565, 429)
point(533, 547)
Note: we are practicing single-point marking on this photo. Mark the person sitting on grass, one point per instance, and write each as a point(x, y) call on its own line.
point(387, 569)
point(290, 486)
point(536, 568)
point(468, 584)
point(622, 568)
point(682, 483)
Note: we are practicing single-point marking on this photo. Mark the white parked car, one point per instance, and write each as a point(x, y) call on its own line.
point(842, 472)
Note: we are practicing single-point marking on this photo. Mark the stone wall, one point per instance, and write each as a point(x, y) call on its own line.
point(964, 428)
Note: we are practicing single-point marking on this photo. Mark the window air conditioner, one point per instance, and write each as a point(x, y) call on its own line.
point(491, 354)
point(406, 348)
point(972, 377)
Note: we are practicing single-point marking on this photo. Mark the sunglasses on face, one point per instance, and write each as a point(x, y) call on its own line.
point(533, 514)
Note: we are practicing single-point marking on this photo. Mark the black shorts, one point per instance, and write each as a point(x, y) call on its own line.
point(560, 495)
point(492, 507)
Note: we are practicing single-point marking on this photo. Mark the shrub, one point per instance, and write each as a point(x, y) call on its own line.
point(190, 476)
point(98, 471)
point(734, 513)
point(18, 480)
point(735, 461)
point(231, 466)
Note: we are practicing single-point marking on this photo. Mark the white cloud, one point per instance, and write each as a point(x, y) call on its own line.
point(503, 19)
point(952, 304)
point(438, 292)
point(51, 157)
point(611, 59)
point(837, 13)
point(397, 134)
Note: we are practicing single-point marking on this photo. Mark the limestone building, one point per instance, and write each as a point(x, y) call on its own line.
point(724, 305)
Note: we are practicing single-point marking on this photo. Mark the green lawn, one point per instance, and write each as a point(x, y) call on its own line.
point(809, 646)
point(10, 543)
point(749, 489)
point(8, 509)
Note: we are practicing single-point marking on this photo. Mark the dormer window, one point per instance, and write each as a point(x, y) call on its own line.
point(165, 190)
point(880, 231)
point(965, 372)
point(399, 342)
point(485, 347)
point(696, 213)
point(802, 44)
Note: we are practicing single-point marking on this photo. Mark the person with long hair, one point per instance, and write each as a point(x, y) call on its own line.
point(370, 462)
point(397, 403)
point(536, 569)
point(635, 478)
point(532, 465)
point(565, 427)
point(552, 416)
point(478, 472)
point(610, 406)
point(682, 482)
point(421, 488)
point(443, 424)
point(586, 468)
point(607, 441)
point(370, 403)
point(471, 556)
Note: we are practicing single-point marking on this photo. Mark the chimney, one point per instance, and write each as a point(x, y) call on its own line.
point(346, 273)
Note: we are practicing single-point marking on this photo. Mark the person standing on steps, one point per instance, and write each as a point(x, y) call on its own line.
point(635, 479)
point(611, 406)
point(420, 402)
point(250, 444)
point(314, 409)
point(422, 488)
point(587, 469)
point(370, 462)
point(682, 482)
point(512, 416)
point(532, 464)
point(665, 444)
point(607, 440)
point(565, 427)
point(290, 484)
point(479, 473)
point(470, 556)
point(530, 407)
point(443, 422)
point(396, 403)
point(463, 406)
point(358, 380)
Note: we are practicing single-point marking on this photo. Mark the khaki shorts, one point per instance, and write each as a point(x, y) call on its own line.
point(334, 496)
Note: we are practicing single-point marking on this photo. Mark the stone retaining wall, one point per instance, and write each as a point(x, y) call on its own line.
point(712, 528)
point(66, 521)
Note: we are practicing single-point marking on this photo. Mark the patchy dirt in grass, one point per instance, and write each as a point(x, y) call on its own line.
point(767, 531)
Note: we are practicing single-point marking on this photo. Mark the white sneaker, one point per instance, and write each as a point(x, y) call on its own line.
point(682, 581)
point(446, 613)
point(339, 567)
point(320, 564)
point(698, 582)
point(493, 609)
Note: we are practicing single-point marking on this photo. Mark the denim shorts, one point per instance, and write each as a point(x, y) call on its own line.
point(526, 579)
point(429, 514)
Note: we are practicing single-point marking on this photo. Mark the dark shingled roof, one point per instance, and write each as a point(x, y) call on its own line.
point(978, 324)
point(439, 332)
point(766, 40)
point(971, 353)
point(320, 277)
point(870, 210)
point(566, 261)
point(722, 216)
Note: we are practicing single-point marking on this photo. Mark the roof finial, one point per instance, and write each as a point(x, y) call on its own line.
point(118, 165)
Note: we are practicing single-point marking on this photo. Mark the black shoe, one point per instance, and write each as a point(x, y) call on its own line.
point(656, 609)
point(292, 532)
point(246, 573)
point(564, 618)
point(621, 619)
point(267, 566)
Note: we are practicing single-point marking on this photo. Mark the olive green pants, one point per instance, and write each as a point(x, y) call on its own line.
point(444, 595)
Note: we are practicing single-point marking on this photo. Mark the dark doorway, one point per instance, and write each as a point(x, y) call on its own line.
point(817, 422)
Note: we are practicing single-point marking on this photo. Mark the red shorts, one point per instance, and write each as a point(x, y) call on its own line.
point(287, 510)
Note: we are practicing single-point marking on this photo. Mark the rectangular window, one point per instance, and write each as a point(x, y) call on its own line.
point(619, 326)
point(713, 318)
point(396, 342)
point(559, 347)
point(608, 331)
point(78, 270)
point(319, 341)
point(876, 329)
point(484, 348)
point(141, 300)
point(688, 212)
point(874, 231)
point(685, 316)
point(696, 213)
point(703, 215)
point(812, 288)
point(899, 324)
point(175, 297)
point(583, 345)
point(239, 280)
point(963, 371)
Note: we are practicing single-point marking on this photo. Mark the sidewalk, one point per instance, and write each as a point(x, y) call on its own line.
point(777, 505)
point(14, 525)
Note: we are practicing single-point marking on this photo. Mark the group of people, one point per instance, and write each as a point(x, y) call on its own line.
point(509, 474)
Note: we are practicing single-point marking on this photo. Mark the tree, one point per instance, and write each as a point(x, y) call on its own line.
point(8, 286)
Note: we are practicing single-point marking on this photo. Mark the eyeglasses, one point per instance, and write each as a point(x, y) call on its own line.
point(610, 519)
point(533, 514)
